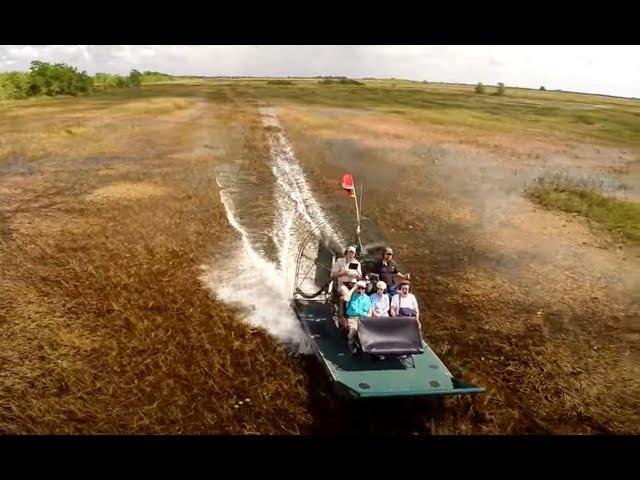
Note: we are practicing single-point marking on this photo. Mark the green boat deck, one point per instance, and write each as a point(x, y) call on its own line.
point(362, 376)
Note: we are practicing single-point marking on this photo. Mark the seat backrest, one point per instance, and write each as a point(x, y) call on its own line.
point(390, 335)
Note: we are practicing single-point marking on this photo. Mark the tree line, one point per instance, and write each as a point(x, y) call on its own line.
point(47, 79)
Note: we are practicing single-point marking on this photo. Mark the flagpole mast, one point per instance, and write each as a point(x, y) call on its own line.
point(361, 193)
point(350, 187)
point(355, 198)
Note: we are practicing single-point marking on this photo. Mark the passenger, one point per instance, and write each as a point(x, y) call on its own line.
point(405, 304)
point(346, 290)
point(359, 306)
point(380, 301)
point(387, 269)
point(344, 278)
point(347, 268)
point(344, 295)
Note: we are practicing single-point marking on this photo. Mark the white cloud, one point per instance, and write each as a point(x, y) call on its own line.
point(608, 69)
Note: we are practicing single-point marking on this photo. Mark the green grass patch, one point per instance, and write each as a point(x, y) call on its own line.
point(621, 217)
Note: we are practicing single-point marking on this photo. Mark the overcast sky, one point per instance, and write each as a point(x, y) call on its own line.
point(609, 69)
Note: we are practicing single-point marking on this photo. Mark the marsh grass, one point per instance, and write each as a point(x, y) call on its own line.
point(587, 197)
point(105, 326)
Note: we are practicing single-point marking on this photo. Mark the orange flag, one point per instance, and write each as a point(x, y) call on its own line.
point(347, 185)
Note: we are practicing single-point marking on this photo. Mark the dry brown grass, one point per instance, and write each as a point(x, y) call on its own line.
point(508, 304)
point(104, 325)
point(126, 190)
point(109, 209)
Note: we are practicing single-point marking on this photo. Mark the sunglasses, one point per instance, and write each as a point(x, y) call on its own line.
point(388, 254)
point(360, 288)
point(404, 289)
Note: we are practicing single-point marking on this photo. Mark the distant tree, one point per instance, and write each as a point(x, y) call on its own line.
point(543, 89)
point(480, 88)
point(100, 77)
point(122, 82)
point(57, 79)
point(339, 81)
point(135, 78)
point(500, 92)
point(148, 76)
point(85, 82)
point(39, 73)
point(14, 85)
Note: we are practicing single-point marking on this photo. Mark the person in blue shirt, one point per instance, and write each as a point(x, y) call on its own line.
point(359, 306)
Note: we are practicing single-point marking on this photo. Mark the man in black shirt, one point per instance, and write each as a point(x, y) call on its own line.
point(387, 269)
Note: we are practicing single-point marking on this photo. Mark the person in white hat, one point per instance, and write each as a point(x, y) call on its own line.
point(344, 283)
point(380, 301)
point(347, 269)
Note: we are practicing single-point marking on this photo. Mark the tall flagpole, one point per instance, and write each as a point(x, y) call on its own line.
point(355, 198)
point(361, 193)
point(349, 185)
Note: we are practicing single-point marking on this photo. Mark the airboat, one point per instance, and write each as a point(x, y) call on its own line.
point(393, 359)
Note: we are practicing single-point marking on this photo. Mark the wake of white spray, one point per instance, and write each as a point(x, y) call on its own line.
point(298, 210)
point(254, 284)
point(260, 287)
